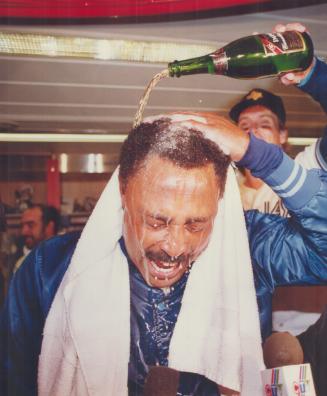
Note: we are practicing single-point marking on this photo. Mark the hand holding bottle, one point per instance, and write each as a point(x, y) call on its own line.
point(228, 136)
point(259, 55)
point(294, 77)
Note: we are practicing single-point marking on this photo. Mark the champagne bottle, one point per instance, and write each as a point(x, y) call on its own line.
point(260, 55)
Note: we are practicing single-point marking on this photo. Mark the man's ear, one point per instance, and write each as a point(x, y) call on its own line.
point(283, 136)
point(49, 230)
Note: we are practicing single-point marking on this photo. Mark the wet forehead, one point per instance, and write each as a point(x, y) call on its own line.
point(161, 187)
point(162, 174)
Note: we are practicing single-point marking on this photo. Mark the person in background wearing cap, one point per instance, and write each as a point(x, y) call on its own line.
point(263, 113)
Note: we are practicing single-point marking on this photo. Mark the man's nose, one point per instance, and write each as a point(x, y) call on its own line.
point(254, 128)
point(25, 230)
point(175, 243)
point(256, 132)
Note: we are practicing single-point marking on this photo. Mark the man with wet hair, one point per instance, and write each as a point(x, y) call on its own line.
point(160, 275)
point(185, 148)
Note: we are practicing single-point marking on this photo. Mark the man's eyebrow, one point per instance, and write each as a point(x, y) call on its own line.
point(267, 115)
point(196, 220)
point(156, 216)
point(29, 222)
point(247, 118)
point(165, 219)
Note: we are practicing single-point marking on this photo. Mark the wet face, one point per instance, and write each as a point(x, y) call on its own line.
point(263, 123)
point(32, 227)
point(168, 218)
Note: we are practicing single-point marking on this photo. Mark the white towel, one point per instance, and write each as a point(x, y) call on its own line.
point(85, 349)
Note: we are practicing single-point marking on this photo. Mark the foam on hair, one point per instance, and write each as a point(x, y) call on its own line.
point(185, 147)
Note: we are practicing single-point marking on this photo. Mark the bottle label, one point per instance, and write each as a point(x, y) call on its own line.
point(281, 43)
point(220, 61)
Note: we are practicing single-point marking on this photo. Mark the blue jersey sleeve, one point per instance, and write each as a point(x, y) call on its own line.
point(287, 178)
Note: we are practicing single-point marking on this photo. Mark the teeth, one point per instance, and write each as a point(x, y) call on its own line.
point(167, 265)
point(163, 270)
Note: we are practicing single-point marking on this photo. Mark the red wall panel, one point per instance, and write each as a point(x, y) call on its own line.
point(53, 9)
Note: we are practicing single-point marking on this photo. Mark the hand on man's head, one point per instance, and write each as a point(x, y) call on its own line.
point(228, 136)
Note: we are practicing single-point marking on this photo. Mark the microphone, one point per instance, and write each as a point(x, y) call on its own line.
point(161, 381)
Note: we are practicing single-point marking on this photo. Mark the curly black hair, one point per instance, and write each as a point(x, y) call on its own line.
point(186, 148)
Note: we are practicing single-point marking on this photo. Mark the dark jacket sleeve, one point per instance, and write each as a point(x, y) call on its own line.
point(29, 298)
point(316, 87)
point(316, 84)
point(288, 251)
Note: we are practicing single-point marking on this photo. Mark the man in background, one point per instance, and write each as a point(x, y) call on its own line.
point(262, 113)
point(38, 222)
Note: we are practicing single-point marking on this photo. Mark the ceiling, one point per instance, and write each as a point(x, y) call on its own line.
point(70, 94)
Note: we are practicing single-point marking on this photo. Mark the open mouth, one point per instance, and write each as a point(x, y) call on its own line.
point(164, 270)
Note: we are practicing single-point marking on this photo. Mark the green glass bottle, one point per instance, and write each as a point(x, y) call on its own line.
point(260, 55)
